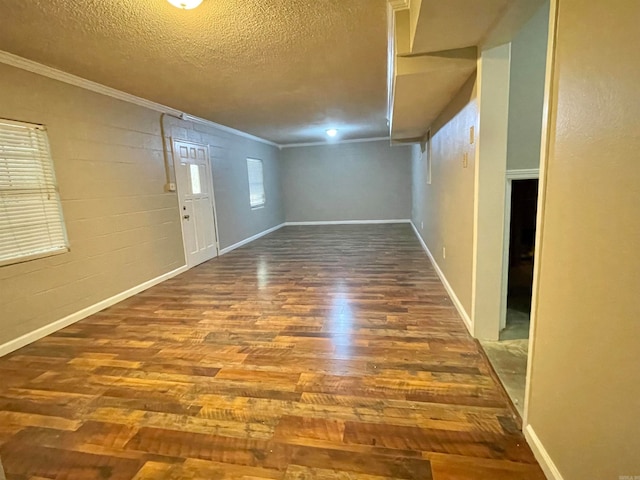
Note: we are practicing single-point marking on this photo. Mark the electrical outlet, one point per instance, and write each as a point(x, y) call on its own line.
point(444, 252)
point(472, 134)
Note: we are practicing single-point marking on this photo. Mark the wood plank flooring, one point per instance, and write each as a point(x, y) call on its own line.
point(312, 353)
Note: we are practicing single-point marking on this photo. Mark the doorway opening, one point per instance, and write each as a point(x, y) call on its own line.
point(507, 342)
point(197, 201)
point(522, 234)
point(509, 355)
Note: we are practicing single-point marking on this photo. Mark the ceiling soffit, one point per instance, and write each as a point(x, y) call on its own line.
point(434, 52)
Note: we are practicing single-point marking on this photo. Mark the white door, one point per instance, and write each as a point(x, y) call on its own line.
point(195, 193)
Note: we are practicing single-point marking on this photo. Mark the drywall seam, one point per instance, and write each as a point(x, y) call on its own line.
point(456, 301)
point(251, 239)
point(31, 337)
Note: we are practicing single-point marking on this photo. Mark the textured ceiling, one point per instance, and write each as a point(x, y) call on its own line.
point(454, 24)
point(284, 70)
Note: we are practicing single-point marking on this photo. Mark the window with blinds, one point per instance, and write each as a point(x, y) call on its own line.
point(31, 222)
point(256, 183)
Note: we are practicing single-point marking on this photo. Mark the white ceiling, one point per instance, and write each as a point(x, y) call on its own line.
point(282, 70)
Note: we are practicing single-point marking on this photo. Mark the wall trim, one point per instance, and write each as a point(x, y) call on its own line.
point(545, 149)
point(456, 301)
point(37, 334)
point(250, 239)
point(224, 128)
point(348, 222)
point(290, 224)
point(399, 4)
point(544, 459)
point(523, 174)
point(50, 72)
point(339, 142)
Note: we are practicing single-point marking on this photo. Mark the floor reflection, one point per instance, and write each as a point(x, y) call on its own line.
point(262, 273)
point(341, 321)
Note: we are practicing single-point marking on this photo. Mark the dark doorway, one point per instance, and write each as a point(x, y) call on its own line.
point(524, 202)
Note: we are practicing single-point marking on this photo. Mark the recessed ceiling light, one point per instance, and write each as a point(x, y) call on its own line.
point(185, 4)
point(332, 132)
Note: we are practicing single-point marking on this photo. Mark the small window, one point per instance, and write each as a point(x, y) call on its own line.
point(194, 171)
point(31, 222)
point(256, 183)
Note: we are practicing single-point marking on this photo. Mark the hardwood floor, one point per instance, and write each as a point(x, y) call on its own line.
point(312, 353)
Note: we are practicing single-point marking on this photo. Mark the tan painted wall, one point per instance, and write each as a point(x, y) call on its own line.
point(414, 16)
point(490, 187)
point(446, 206)
point(585, 385)
point(349, 181)
point(123, 228)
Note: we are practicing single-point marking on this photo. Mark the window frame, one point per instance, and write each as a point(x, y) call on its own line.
point(251, 193)
point(43, 159)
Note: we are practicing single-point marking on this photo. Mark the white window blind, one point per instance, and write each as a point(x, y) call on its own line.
point(31, 222)
point(256, 183)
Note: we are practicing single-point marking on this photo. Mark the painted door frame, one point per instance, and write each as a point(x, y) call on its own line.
point(213, 196)
point(547, 133)
point(511, 175)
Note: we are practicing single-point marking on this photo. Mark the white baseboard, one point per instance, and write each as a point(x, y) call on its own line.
point(544, 459)
point(31, 337)
point(456, 301)
point(349, 222)
point(251, 239)
point(289, 224)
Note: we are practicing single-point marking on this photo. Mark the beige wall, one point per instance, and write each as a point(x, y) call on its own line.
point(585, 385)
point(348, 181)
point(490, 189)
point(526, 91)
point(445, 207)
point(123, 228)
point(414, 12)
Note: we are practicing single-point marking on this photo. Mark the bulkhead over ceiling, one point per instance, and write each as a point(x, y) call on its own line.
point(284, 70)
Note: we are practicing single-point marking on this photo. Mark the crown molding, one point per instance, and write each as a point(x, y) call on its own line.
point(224, 128)
point(340, 142)
point(407, 141)
point(50, 72)
point(398, 5)
point(55, 74)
